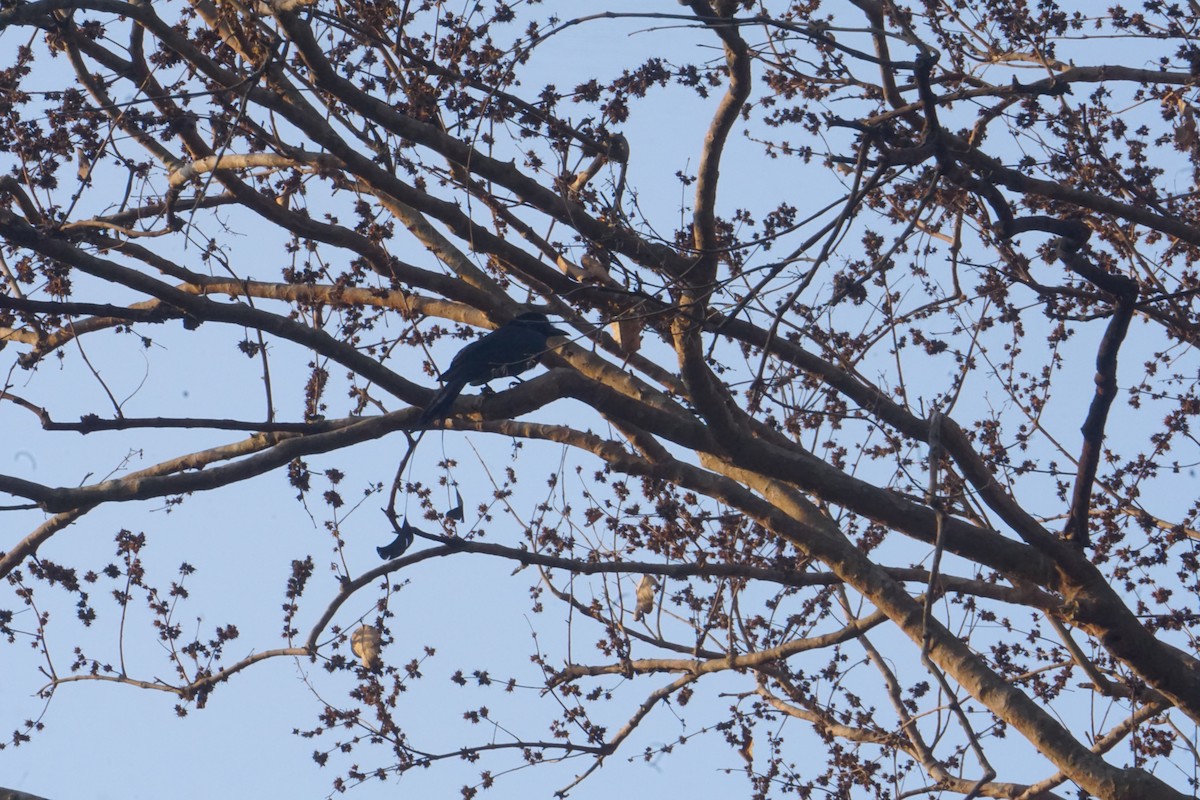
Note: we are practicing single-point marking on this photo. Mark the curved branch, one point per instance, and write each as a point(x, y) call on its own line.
point(233, 161)
point(200, 308)
point(280, 449)
point(197, 689)
point(696, 667)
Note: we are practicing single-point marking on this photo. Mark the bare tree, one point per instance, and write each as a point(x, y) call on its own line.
point(842, 425)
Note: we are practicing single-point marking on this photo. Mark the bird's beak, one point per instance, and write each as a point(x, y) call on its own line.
point(557, 332)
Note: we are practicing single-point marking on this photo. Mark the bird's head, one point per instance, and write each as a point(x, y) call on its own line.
point(537, 321)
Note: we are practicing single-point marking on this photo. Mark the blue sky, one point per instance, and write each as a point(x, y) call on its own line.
point(110, 741)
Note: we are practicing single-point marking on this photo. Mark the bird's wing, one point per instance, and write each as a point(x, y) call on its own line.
point(467, 360)
point(509, 351)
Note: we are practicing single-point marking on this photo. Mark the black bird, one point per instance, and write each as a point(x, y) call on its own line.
point(404, 538)
point(509, 350)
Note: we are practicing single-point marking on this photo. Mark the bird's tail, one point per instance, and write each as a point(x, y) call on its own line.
point(441, 403)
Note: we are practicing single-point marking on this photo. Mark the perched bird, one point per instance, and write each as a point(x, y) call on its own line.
point(365, 644)
point(404, 539)
point(509, 350)
point(646, 590)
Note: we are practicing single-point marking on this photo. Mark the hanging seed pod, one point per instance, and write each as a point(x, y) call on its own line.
point(365, 644)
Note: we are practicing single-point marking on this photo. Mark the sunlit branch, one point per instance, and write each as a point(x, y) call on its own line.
point(279, 449)
point(647, 705)
point(697, 667)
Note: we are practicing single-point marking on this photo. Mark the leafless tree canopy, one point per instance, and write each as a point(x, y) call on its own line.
point(876, 406)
